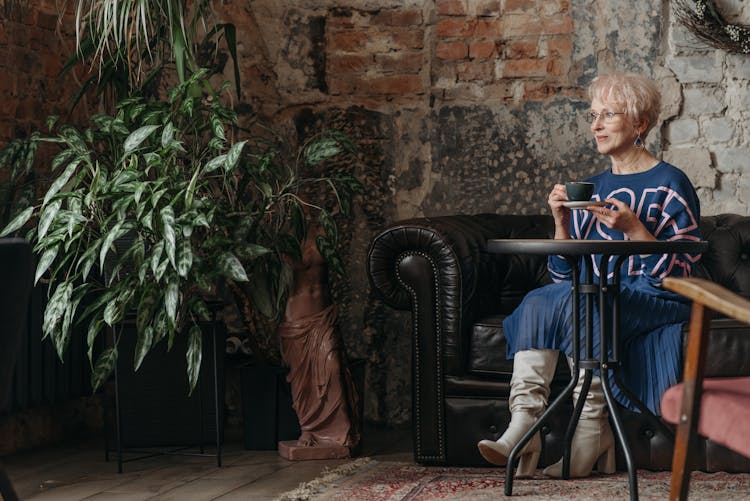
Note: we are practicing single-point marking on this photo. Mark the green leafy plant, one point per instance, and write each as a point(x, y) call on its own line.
point(9, 8)
point(18, 189)
point(155, 208)
point(130, 44)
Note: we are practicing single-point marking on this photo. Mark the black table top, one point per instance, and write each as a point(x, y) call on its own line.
point(586, 247)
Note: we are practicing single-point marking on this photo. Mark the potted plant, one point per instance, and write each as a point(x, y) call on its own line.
point(200, 213)
point(164, 203)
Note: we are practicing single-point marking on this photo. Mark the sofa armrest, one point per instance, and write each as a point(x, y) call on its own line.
point(439, 269)
point(428, 266)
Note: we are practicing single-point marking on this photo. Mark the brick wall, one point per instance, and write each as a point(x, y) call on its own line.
point(32, 52)
point(376, 53)
point(457, 106)
point(385, 52)
point(502, 50)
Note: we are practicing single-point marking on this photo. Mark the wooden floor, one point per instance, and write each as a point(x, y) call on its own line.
point(78, 471)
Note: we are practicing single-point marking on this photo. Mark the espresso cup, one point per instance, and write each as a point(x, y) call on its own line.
point(579, 191)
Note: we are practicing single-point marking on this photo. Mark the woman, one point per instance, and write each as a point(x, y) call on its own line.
point(646, 199)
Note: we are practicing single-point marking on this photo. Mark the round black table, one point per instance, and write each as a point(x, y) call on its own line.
point(608, 361)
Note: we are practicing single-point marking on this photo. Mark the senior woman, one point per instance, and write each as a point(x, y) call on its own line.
point(646, 199)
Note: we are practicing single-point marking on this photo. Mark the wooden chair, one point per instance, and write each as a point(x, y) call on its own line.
point(16, 276)
point(717, 408)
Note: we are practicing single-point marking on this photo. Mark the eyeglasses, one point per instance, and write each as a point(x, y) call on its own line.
point(607, 116)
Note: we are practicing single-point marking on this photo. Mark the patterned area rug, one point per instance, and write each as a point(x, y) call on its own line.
point(371, 480)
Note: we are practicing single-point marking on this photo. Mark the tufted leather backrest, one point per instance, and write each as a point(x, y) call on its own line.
point(727, 261)
point(503, 280)
point(471, 283)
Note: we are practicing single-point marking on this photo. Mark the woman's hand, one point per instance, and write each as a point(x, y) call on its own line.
point(621, 218)
point(561, 214)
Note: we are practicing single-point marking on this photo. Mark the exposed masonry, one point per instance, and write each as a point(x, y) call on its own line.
point(458, 105)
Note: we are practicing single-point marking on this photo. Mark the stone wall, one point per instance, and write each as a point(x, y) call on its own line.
point(458, 106)
point(709, 137)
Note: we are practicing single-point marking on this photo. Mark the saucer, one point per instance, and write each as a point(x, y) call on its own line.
point(582, 204)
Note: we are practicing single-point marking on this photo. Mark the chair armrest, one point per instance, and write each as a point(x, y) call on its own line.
point(706, 296)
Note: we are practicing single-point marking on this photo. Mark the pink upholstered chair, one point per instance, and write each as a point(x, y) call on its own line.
point(718, 408)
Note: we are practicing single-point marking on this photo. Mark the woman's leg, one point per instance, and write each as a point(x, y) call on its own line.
point(533, 371)
point(593, 441)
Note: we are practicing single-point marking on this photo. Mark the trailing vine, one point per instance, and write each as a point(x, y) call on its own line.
point(704, 20)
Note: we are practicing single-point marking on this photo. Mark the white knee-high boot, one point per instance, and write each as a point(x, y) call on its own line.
point(593, 441)
point(533, 371)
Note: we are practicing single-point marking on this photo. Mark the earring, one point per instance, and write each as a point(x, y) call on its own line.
point(639, 142)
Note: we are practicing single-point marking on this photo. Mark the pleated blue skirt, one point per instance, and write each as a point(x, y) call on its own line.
point(650, 335)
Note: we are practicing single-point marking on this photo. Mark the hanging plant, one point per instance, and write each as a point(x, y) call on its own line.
point(704, 20)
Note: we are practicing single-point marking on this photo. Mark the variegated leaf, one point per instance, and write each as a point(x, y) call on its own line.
point(115, 233)
point(56, 306)
point(143, 345)
point(156, 256)
point(61, 181)
point(167, 135)
point(48, 215)
point(194, 355)
point(45, 261)
point(233, 156)
point(171, 298)
point(136, 137)
point(232, 267)
point(18, 221)
point(105, 364)
point(215, 163)
point(185, 257)
point(95, 327)
point(167, 221)
point(112, 313)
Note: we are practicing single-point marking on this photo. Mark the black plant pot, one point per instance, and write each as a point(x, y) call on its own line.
point(155, 407)
point(267, 404)
point(267, 407)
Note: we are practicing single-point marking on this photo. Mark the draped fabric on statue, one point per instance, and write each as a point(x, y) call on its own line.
point(321, 386)
point(651, 317)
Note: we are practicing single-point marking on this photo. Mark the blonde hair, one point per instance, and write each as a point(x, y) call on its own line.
point(638, 95)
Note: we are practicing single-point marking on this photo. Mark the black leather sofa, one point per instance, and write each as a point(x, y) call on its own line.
point(438, 268)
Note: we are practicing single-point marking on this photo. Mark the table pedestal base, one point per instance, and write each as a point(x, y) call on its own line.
point(586, 252)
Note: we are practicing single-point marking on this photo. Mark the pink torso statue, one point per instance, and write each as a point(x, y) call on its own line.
point(323, 394)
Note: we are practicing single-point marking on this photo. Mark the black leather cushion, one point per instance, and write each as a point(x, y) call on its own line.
point(487, 348)
point(487, 352)
point(728, 350)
